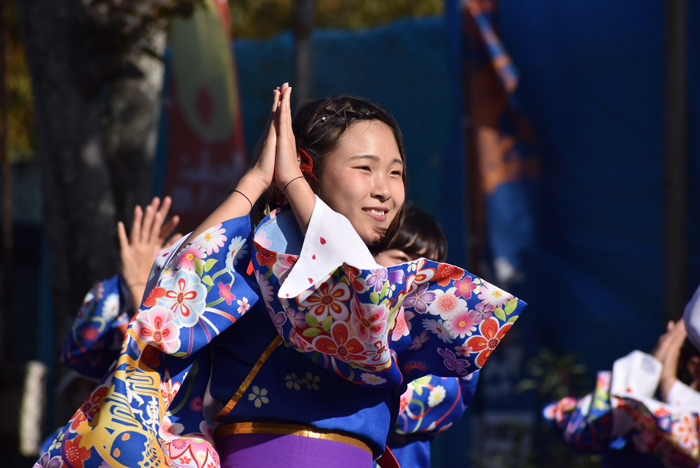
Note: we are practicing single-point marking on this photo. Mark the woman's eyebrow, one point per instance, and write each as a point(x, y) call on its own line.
point(373, 158)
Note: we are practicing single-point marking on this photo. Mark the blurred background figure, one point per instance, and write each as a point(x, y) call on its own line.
point(432, 404)
point(98, 329)
point(621, 419)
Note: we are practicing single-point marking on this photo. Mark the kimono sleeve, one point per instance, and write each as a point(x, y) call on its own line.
point(593, 422)
point(361, 320)
point(691, 317)
point(584, 424)
point(98, 329)
point(201, 290)
point(449, 321)
point(431, 404)
point(682, 396)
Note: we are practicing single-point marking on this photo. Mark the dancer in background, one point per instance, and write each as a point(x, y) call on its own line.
point(431, 404)
point(623, 421)
point(98, 330)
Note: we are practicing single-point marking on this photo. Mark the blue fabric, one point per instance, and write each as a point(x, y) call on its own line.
point(422, 416)
point(414, 452)
point(98, 330)
point(296, 388)
point(591, 83)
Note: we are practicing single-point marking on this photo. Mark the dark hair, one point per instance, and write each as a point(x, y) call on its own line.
point(421, 235)
point(688, 351)
point(318, 126)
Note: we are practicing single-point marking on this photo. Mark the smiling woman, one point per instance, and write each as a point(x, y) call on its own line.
point(357, 158)
point(325, 398)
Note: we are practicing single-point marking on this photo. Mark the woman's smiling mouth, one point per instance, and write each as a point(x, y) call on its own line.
point(378, 214)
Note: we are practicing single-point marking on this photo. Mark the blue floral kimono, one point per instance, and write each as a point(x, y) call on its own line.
point(98, 330)
point(316, 334)
point(621, 413)
point(429, 406)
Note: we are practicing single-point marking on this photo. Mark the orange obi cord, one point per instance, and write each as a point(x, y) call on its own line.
point(249, 378)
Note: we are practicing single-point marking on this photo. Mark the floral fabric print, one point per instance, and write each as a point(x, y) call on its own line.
point(431, 404)
point(192, 299)
point(374, 322)
point(586, 424)
point(98, 330)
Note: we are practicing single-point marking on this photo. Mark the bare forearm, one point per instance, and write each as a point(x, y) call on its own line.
point(235, 205)
point(665, 386)
point(302, 200)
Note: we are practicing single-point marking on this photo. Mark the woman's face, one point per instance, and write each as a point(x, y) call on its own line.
point(362, 178)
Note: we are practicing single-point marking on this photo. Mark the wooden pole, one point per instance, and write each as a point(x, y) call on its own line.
point(676, 157)
point(303, 83)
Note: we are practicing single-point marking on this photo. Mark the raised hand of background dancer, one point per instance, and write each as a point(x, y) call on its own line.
point(149, 235)
point(288, 177)
point(668, 351)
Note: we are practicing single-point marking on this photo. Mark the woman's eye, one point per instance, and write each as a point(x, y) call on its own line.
point(397, 173)
point(401, 258)
point(363, 168)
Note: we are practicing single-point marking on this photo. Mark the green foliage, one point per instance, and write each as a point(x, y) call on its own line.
point(21, 136)
point(555, 376)
point(122, 28)
point(355, 14)
point(265, 18)
point(261, 18)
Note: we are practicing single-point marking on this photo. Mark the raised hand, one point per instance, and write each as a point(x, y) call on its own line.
point(263, 168)
point(286, 164)
point(148, 237)
point(254, 182)
point(288, 176)
point(668, 350)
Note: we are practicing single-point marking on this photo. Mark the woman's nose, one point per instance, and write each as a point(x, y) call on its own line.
point(380, 189)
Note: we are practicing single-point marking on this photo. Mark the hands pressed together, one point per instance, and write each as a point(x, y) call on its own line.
point(275, 160)
point(275, 154)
